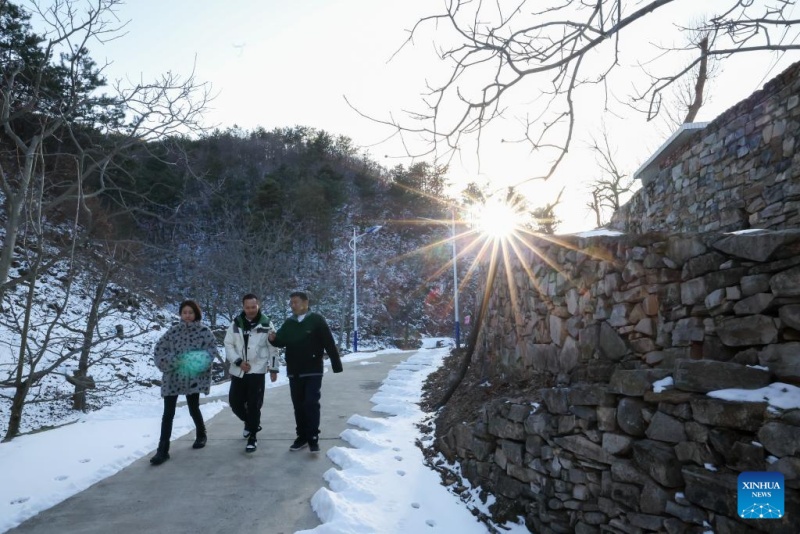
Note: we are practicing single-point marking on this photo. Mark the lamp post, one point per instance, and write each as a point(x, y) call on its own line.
point(456, 323)
point(353, 247)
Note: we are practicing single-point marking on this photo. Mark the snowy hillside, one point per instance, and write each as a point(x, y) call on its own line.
point(119, 359)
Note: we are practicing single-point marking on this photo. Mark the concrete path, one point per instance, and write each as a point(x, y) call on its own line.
point(221, 488)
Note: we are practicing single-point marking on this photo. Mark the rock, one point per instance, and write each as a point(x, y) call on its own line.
point(790, 315)
point(654, 498)
point(783, 360)
point(583, 448)
point(743, 331)
point(482, 449)
point(693, 291)
point(711, 490)
point(647, 522)
point(503, 428)
point(698, 453)
point(558, 330)
point(518, 412)
point(790, 467)
point(745, 457)
point(688, 330)
point(709, 375)
point(780, 439)
point(625, 471)
point(556, 400)
point(756, 246)
point(569, 356)
point(611, 345)
point(715, 298)
point(786, 283)
point(755, 283)
point(681, 249)
point(665, 428)
point(700, 265)
point(541, 424)
point(630, 418)
point(738, 415)
point(754, 304)
point(696, 432)
point(513, 450)
point(659, 461)
point(687, 514)
point(627, 494)
point(672, 396)
point(635, 383)
point(606, 418)
point(590, 395)
point(616, 443)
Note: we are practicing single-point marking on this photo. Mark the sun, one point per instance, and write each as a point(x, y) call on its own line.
point(497, 219)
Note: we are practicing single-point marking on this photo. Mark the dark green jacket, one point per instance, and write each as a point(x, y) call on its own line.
point(305, 343)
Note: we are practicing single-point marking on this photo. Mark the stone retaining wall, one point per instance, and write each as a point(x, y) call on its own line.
point(601, 320)
point(741, 171)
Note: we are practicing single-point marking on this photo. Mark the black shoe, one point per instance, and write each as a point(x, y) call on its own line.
point(246, 433)
point(159, 458)
point(252, 443)
point(299, 443)
point(199, 441)
point(313, 445)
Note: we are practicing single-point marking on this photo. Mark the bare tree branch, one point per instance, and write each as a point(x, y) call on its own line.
point(500, 57)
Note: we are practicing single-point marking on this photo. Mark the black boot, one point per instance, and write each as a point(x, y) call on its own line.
point(162, 453)
point(200, 438)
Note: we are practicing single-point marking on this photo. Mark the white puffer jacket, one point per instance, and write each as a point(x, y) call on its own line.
point(261, 355)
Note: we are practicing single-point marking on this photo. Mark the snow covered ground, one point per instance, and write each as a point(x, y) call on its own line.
point(381, 483)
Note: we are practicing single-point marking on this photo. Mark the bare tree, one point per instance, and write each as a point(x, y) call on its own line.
point(609, 189)
point(105, 303)
point(49, 336)
point(503, 54)
point(544, 217)
point(43, 100)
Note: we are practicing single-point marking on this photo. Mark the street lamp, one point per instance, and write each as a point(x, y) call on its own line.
point(457, 324)
point(353, 242)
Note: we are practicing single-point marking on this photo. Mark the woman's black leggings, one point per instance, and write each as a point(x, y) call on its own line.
point(170, 402)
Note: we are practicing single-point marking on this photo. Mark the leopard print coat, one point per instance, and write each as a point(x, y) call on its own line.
point(184, 354)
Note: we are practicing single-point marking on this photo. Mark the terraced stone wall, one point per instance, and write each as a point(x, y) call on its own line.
point(741, 171)
point(603, 321)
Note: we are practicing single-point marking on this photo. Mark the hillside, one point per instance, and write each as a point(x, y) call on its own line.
point(212, 219)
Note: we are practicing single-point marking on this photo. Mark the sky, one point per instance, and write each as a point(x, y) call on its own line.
point(276, 64)
point(359, 495)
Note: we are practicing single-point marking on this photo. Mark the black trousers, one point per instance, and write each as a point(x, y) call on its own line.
point(306, 393)
point(246, 398)
point(170, 402)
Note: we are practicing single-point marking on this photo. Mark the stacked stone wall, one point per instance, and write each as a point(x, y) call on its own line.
point(741, 171)
point(603, 319)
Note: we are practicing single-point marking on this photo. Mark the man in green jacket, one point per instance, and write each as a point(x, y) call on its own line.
point(306, 337)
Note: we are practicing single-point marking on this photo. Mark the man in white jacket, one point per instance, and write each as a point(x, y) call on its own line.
point(250, 355)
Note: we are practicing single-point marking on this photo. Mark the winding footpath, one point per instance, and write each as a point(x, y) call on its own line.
point(221, 488)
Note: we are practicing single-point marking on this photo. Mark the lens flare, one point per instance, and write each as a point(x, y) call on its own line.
point(498, 220)
point(193, 363)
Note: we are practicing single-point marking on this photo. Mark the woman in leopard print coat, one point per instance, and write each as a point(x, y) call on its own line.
point(184, 354)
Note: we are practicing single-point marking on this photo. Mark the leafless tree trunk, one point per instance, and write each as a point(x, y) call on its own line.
point(81, 377)
point(474, 334)
point(700, 83)
point(609, 190)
